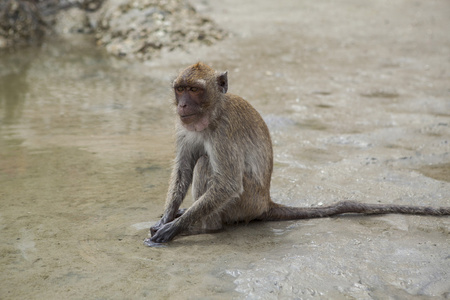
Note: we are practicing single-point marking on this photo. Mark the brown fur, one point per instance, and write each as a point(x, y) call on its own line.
point(229, 164)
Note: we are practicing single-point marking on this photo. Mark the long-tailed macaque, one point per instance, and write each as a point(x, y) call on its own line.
point(223, 148)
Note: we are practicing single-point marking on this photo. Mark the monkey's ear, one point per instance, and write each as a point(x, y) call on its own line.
point(222, 81)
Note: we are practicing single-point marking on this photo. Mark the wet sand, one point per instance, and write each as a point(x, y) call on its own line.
point(356, 96)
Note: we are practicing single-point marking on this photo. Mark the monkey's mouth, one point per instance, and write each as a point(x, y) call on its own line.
point(185, 117)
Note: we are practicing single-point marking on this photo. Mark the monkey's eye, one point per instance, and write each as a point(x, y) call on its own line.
point(179, 89)
point(194, 89)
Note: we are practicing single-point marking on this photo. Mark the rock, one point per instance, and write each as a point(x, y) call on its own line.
point(141, 28)
point(20, 23)
point(71, 21)
point(130, 28)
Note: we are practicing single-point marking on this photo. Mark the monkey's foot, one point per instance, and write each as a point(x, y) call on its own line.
point(149, 243)
point(180, 212)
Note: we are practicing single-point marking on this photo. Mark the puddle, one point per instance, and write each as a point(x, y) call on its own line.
point(438, 172)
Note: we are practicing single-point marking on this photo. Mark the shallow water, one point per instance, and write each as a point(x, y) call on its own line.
point(357, 110)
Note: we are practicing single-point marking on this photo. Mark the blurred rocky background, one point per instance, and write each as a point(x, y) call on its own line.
point(126, 28)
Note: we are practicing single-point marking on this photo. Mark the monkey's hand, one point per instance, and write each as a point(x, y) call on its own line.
point(164, 233)
point(156, 227)
point(163, 221)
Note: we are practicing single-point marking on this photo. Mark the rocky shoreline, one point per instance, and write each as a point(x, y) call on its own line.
point(126, 28)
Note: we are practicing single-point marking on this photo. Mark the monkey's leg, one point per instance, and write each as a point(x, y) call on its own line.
point(180, 212)
point(222, 190)
point(209, 224)
point(201, 177)
point(200, 184)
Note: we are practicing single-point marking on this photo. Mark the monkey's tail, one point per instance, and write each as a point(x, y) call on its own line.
point(279, 212)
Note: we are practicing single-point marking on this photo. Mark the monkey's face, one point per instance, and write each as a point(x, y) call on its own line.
point(189, 99)
point(198, 89)
point(190, 106)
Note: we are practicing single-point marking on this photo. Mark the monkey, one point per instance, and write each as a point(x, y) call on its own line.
point(224, 151)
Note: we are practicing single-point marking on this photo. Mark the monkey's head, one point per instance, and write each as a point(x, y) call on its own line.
point(198, 89)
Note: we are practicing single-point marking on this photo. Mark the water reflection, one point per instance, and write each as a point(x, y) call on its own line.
point(13, 84)
point(63, 89)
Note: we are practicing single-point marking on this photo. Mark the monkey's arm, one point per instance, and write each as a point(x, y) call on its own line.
point(226, 186)
point(180, 181)
point(214, 198)
point(175, 196)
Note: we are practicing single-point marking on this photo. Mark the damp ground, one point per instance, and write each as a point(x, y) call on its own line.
point(357, 99)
